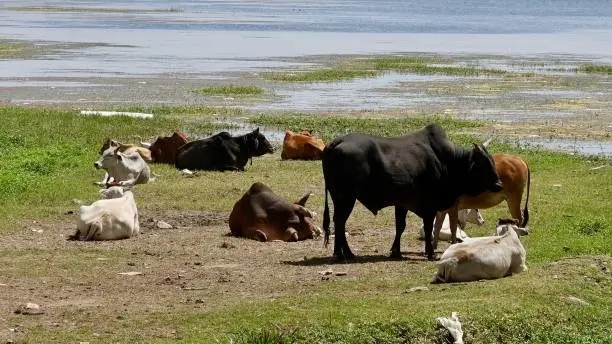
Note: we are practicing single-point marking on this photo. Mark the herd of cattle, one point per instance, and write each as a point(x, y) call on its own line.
point(423, 172)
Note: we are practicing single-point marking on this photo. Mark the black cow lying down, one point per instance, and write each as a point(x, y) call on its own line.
point(222, 152)
point(423, 172)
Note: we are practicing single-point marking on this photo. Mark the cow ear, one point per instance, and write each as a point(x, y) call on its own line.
point(256, 131)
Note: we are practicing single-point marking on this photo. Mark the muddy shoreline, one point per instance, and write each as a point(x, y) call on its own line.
point(556, 109)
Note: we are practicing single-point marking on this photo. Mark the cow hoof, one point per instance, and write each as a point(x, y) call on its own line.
point(395, 255)
point(344, 256)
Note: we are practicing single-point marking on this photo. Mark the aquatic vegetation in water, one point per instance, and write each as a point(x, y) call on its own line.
point(234, 90)
point(603, 69)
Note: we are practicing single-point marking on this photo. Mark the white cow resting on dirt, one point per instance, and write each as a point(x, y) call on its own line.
point(125, 169)
point(108, 218)
point(484, 257)
point(464, 216)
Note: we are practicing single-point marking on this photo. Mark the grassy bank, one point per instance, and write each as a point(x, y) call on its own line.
point(201, 286)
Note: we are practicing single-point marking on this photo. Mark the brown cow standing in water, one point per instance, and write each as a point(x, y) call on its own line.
point(302, 146)
point(515, 175)
point(263, 215)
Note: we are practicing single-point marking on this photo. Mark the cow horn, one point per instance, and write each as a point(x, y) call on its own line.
point(302, 201)
point(486, 143)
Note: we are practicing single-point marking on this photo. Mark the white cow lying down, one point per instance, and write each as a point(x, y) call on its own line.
point(112, 218)
point(484, 257)
point(123, 168)
point(464, 216)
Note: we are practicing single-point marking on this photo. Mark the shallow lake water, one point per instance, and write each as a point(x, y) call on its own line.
point(119, 51)
point(154, 36)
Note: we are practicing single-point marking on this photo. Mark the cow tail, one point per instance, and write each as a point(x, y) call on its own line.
point(526, 210)
point(326, 219)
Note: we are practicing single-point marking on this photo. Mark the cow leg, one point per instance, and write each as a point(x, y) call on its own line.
point(291, 235)
point(342, 210)
point(400, 226)
point(453, 220)
point(428, 221)
point(260, 236)
point(437, 227)
point(514, 206)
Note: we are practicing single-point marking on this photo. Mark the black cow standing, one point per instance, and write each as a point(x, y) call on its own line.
point(222, 152)
point(423, 172)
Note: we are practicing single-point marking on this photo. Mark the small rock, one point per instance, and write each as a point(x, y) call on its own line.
point(597, 168)
point(163, 225)
point(341, 273)
point(227, 245)
point(420, 288)
point(3, 285)
point(29, 308)
point(577, 301)
point(555, 276)
point(37, 230)
point(83, 342)
point(556, 185)
point(199, 301)
point(131, 263)
point(130, 273)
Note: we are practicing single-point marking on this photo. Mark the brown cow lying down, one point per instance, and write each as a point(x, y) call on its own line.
point(302, 146)
point(164, 149)
point(127, 148)
point(263, 215)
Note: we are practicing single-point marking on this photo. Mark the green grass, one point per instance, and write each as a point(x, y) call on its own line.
point(42, 152)
point(373, 66)
point(328, 127)
point(88, 9)
point(46, 160)
point(320, 75)
point(600, 69)
point(10, 50)
point(233, 90)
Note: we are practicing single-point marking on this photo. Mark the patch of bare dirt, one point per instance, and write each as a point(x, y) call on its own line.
point(194, 267)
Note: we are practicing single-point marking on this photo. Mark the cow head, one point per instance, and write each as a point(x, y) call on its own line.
point(505, 225)
point(114, 192)
point(482, 173)
point(109, 144)
point(258, 144)
point(306, 228)
point(110, 158)
point(472, 216)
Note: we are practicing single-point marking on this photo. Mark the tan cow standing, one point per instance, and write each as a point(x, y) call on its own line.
point(302, 146)
point(263, 215)
point(515, 175)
